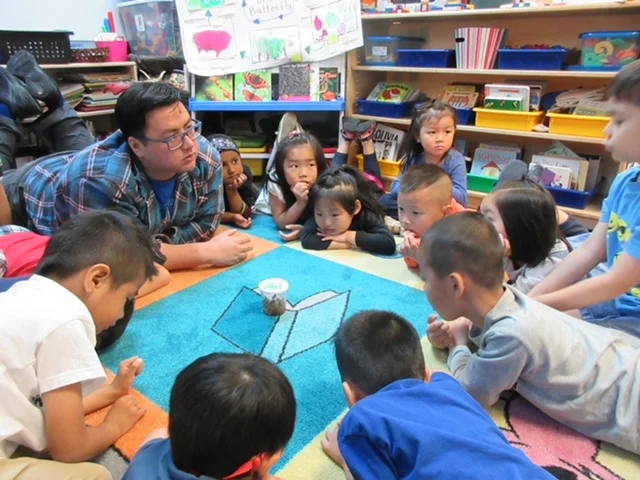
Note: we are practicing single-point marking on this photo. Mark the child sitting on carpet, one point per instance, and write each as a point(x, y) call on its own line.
point(346, 214)
point(611, 299)
point(584, 376)
point(240, 193)
point(424, 197)
point(430, 140)
point(298, 163)
point(525, 216)
point(230, 417)
point(404, 421)
point(50, 373)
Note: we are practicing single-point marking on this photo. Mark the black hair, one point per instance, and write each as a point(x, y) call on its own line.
point(296, 139)
point(418, 177)
point(465, 243)
point(140, 99)
point(106, 236)
point(626, 84)
point(375, 348)
point(227, 408)
point(530, 220)
point(411, 146)
point(106, 338)
point(345, 185)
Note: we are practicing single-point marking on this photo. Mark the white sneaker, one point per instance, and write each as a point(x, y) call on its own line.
point(289, 123)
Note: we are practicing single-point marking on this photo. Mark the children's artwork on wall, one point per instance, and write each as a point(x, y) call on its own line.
point(232, 36)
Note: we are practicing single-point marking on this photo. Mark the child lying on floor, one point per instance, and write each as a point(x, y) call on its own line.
point(51, 375)
point(346, 214)
point(425, 195)
point(582, 375)
point(230, 417)
point(405, 422)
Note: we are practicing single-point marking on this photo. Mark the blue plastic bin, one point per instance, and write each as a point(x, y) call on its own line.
point(466, 116)
point(571, 198)
point(384, 109)
point(532, 59)
point(427, 58)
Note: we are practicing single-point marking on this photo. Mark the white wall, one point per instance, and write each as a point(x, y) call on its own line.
point(83, 17)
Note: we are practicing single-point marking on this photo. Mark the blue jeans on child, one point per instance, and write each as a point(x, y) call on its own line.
point(7, 283)
point(607, 315)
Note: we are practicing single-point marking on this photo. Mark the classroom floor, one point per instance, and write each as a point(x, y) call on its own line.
point(209, 310)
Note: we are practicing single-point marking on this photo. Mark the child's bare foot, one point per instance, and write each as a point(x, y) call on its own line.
point(393, 225)
point(330, 445)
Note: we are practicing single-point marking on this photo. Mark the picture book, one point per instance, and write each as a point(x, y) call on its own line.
point(589, 108)
point(537, 89)
point(489, 162)
point(294, 82)
point(393, 92)
point(459, 96)
point(558, 177)
point(517, 92)
point(253, 86)
point(510, 104)
point(329, 84)
point(386, 141)
point(216, 89)
point(560, 149)
point(510, 147)
point(579, 168)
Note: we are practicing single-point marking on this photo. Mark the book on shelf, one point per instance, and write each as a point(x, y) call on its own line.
point(579, 167)
point(519, 93)
point(294, 82)
point(489, 162)
point(215, 89)
point(253, 86)
point(393, 93)
point(537, 88)
point(386, 141)
point(559, 177)
point(459, 96)
point(328, 84)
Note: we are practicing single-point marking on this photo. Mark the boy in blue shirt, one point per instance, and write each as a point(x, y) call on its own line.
point(612, 299)
point(404, 421)
point(230, 417)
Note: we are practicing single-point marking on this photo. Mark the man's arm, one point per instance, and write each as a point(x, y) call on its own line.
point(577, 264)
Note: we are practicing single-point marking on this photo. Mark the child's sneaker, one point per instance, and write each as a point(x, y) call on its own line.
point(349, 128)
point(288, 124)
point(366, 129)
point(393, 225)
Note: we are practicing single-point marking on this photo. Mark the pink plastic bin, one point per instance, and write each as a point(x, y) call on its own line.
point(118, 50)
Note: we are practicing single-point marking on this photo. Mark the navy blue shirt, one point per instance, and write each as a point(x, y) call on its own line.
point(165, 192)
point(154, 462)
point(417, 430)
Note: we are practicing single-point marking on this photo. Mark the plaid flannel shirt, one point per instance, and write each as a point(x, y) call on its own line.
point(106, 175)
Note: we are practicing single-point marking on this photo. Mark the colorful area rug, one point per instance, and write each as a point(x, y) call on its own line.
point(209, 310)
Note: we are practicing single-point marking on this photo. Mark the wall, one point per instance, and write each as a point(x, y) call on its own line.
point(83, 17)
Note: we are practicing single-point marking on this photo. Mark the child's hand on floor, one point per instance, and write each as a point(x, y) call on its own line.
point(127, 373)
point(238, 182)
point(330, 445)
point(124, 414)
point(301, 191)
point(241, 221)
point(294, 234)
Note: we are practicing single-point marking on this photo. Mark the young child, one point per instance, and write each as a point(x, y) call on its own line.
point(611, 299)
point(430, 140)
point(584, 376)
point(230, 417)
point(404, 421)
point(298, 163)
point(424, 197)
point(240, 193)
point(346, 214)
point(525, 216)
point(51, 375)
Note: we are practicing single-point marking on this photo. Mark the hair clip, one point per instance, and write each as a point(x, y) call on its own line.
point(294, 134)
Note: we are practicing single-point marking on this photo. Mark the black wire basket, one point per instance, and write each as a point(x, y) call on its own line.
point(46, 47)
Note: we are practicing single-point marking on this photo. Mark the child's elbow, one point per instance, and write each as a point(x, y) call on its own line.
point(64, 454)
point(389, 247)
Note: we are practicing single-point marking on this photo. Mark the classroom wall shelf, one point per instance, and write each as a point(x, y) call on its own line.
point(560, 25)
point(273, 106)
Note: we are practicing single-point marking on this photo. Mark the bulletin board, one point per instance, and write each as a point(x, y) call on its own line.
point(232, 36)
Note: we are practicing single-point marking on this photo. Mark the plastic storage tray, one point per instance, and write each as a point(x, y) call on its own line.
point(256, 165)
point(152, 28)
point(581, 126)
point(571, 198)
point(388, 168)
point(532, 59)
point(384, 109)
point(466, 116)
point(501, 120)
point(427, 58)
point(384, 50)
point(479, 183)
point(46, 47)
point(609, 50)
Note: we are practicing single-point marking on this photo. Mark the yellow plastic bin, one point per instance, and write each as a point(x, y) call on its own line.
point(256, 165)
point(502, 120)
point(562, 124)
point(388, 168)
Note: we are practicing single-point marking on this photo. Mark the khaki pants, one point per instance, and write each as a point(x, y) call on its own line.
point(26, 468)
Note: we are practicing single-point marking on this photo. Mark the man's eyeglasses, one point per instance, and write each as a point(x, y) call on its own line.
point(176, 142)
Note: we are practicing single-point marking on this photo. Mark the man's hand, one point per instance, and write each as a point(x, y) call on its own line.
point(127, 373)
point(347, 238)
point(124, 414)
point(237, 182)
point(409, 244)
point(241, 221)
point(301, 191)
point(294, 234)
point(226, 249)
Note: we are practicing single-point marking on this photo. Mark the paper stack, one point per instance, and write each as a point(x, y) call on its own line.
point(477, 48)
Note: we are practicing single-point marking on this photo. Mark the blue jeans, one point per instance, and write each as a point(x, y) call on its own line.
point(607, 315)
point(7, 283)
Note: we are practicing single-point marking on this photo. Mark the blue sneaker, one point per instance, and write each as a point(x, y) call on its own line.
point(39, 84)
point(14, 94)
